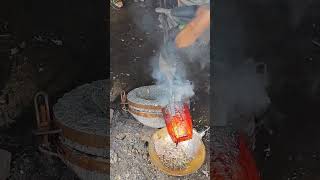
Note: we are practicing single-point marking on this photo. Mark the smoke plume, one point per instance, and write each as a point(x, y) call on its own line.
point(238, 93)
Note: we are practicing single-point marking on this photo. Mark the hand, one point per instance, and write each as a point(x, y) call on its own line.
point(193, 30)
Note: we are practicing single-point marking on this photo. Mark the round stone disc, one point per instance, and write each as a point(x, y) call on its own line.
point(82, 116)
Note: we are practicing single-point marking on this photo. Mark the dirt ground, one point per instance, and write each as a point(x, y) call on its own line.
point(135, 41)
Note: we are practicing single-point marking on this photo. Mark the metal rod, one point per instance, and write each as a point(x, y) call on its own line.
point(49, 152)
point(57, 131)
point(316, 43)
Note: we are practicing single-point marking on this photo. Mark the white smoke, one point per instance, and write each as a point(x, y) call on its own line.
point(178, 88)
point(237, 91)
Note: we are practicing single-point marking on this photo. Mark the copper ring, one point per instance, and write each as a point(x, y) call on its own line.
point(83, 138)
point(144, 114)
point(142, 106)
point(90, 163)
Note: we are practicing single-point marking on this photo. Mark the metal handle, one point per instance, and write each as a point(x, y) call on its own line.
point(124, 101)
point(50, 153)
point(204, 132)
point(43, 118)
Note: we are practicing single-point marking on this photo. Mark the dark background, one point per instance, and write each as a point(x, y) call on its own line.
point(83, 28)
point(280, 34)
point(80, 24)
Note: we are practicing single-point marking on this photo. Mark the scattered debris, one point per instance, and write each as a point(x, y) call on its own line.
point(205, 173)
point(47, 39)
point(22, 45)
point(57, 42)
point(172, 156)
point(14, 51)
point(129, 152)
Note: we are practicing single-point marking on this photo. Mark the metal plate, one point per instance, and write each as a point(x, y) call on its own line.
point(192, 167)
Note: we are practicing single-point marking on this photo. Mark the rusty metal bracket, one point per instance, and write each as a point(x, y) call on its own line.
point(50, 153)
point(47, 126)
point(42, 110)
point(39, 133)
point(43, 117)
point(124, 102)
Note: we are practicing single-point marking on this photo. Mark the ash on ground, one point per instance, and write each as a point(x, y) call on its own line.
point(129, 156)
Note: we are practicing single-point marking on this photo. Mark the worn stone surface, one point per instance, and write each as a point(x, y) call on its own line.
point(85, 109)
point(79, 109)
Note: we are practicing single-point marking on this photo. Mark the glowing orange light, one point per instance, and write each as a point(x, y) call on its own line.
point(178, 121)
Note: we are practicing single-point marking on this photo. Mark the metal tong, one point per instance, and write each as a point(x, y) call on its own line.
point(181, 14)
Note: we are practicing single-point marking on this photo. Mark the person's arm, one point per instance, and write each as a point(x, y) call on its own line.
point(195, 28)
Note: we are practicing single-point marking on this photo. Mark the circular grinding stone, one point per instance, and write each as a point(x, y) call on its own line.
point(153, 95)
point(84, 109)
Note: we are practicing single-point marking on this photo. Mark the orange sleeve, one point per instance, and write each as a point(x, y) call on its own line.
point(194, 29)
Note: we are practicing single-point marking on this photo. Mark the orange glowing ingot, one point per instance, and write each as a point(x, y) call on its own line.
point(178, 121)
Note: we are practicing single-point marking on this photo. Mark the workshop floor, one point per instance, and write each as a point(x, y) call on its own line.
point(135, 41)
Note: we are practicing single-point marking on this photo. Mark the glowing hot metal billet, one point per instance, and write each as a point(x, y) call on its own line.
point(178, 121)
